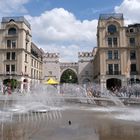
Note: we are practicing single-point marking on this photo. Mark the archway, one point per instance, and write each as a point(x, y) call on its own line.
point(69, 76)
point(134, 81)
point(13, 83)
point(25, 84)
point(113, 83)
point(86, 81)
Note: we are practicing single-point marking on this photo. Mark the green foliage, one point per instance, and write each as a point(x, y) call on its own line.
point(12, 82)
point(69, 76)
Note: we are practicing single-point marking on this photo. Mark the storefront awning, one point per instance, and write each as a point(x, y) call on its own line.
point(51, 82)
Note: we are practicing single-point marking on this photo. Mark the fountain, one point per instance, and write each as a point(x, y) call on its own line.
point(24, 109)
point(45, 113)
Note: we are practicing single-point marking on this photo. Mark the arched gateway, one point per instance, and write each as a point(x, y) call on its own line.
point(81, 71)
point(13, 83)
point(113, 83)
point(68, 73)
point(68, 76)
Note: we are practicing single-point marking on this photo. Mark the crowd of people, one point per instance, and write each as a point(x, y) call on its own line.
point(6, 89)
point(125, 91)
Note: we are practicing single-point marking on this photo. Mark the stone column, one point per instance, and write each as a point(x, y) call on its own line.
point(124, 81)
point(103, 83)
point(21, 86)
point(28, 86)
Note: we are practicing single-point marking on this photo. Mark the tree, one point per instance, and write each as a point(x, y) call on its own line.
point(69, 76)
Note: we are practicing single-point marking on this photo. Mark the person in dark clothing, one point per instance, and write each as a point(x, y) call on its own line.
point(69, 122)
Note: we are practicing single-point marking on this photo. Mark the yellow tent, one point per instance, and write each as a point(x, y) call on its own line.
point(51, 82)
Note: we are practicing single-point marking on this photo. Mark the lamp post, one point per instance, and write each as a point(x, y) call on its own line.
point(135, 79)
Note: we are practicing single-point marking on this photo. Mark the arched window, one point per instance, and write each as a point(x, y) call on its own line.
point(112, 29)
point(11, 20)
point(12, 31)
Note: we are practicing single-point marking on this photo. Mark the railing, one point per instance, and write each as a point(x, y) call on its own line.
point(113, 72)
point(112, 34)
point(11, 73)
point(133, 72)
point(11, 35)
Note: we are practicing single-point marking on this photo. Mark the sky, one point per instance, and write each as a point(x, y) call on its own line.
point(68, 26)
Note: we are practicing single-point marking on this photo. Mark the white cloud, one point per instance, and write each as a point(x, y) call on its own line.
point(9, 7)
point(130, 9)
point(59, 30)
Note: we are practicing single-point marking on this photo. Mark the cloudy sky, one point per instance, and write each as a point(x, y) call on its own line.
point(67, 26)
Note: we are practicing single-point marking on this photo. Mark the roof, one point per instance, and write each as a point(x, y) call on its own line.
point(36, 49)
point(16, 19)
point(134, 25)
point(111, 15)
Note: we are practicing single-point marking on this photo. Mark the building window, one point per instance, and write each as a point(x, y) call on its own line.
point(37, 64)
point(116, 54)
point(26, 58)
point(12, 31)
point(32, 63)
point(115, 41)
point(113, 69)
point(132, 41)
point(25, 69)
point(112, 41)
point(109, 42)
point(26, 46)
point(113, 54)
point(8, 43)
point(12, 68)
point(110, 68)
point(37, 74)
point(116, 69)
point(133, 67)
point(13, 55)
point(7, 68)
point(109, 54)
point(8, 56)
point(32, 72)
point(132, 54)
point(112, 29)
point(131, 30)
point(11, 43)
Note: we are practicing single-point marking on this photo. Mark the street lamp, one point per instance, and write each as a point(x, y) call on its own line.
point(135, 79)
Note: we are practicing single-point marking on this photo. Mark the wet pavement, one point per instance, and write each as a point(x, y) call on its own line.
point(87, 123)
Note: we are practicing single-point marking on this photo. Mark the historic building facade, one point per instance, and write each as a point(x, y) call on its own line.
point(83, 69)
point(20, 60)
point(116, 62)
point(51, 67)
point(113, 63)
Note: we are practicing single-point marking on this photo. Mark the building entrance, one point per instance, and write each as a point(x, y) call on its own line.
point(68, 76)
point(113, 84)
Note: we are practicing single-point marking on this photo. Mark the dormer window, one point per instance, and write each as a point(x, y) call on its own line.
point(11, 20)
point(112, 29)
point(131, 30)
point(12, 31)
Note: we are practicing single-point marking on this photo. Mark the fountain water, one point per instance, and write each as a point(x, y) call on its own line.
point(31, 111)
point(33, 107)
